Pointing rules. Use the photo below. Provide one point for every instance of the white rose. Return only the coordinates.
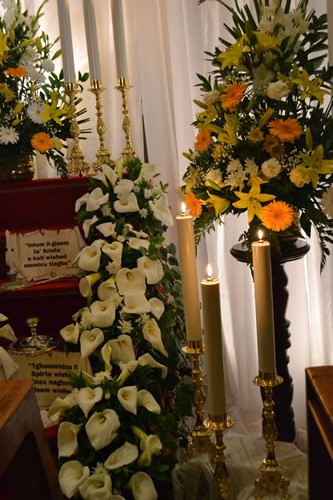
(271, 168)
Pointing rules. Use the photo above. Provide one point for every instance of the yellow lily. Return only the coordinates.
(267, 42)
(310, 88)
(228, 135)
(316, 162)
(252, 201)
(220, 204)
(233, 56)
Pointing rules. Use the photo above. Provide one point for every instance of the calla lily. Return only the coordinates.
(131, 281)
(136, 304)
(102, 428)
(128, 369)
(107, 289)
(89, 259)
(146, 399)
(147, 359)
(87, 282)
(113, 250)
(97, 487)
(103, 313)
(152, 333)
(96, 199)
(156, 307)
(124, 187)
(70, 333)
(106, 228)
(122, 349)
(7, 332)
(142, 487)
(106, 356)
(90, 340)
(148, 172)
(81, 201)
(138, 243)
(150, 445)
(126, 454)
(87, 225)
(71, 475)
(67, 439)
(106, 174)
(60, 405)
(88, 397)
(127, 203)
(153, 269)
(127, 397)
(161, 210)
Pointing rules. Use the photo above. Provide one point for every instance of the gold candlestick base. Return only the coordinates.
(271, 479)
(128, 150)
(200, 435)
(218, 424)
(103, 155)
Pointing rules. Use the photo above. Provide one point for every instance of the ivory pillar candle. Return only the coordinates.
(66, 41)
(189, 277)
(262, 272)
(212, 326)
(119, 38)
(92, 39)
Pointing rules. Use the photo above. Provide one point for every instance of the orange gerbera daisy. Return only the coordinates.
(17, 72)
(203, 140)
(277, 216)
(41, 142)
(232, 96)
(193, 204)
(287, 130)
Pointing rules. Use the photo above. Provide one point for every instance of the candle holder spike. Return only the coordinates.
(218, 424)
(77, 164)
(103, 155)
(201, 435)
(128, 150)
(271, 479)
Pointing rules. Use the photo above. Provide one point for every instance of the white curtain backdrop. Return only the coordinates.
(166, 43)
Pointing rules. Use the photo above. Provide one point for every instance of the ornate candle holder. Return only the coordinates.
(103, 155)
(271, 479)
(217, 424)
(128, 150)
(77, 164)
(200, 434)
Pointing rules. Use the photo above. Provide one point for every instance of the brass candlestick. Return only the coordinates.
(128, 150)
(77, 164)
(103, 155)
(271, 479)
(200, 434)
(218, 424)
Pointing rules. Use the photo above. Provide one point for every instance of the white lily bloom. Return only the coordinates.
(97, 487)
(161, 210)
(89, 259)
(102, 428)
(127, 397)
(137, 243)
(87, 282)
(136, 304)
(88, 397)
(60, 405)
(71, 475)
(106, 356)
(147, 359)
(106, 228)
(107, 289)
(153, 269)
(146, 399)
(90, 340)
(103, 313)
(148, 172)
(150, 445)
(122, 350)
(127, 370)
(87, 225)
(156, 307)
(127, 203)
(124, 455)
(131, 281)
(152, 333)
(124, 187)
(7, 332)
(70, 333)
(142, 487)
(81, 201)
(113, 250)
(67, 439)
(96, 199)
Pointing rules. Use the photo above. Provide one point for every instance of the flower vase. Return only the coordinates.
(16, 168)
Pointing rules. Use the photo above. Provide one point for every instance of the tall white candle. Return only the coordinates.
(189, 277)
(92, 39)
(119, 38)
(261, 254)
(212, 326)
(66, 41)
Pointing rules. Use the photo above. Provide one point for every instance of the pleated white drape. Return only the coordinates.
(166, 41)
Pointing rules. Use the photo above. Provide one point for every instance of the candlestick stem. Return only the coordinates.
(271, 479)
(77, 163)
(103, 155)
(200, 434)
(128, 150)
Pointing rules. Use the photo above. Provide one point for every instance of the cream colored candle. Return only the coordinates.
(119, 38)
(66, 41)
(189, 277)
(92, 39)
(262, 272)
(210, 290)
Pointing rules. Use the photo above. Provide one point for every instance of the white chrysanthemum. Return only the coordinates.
(327, 202)
(271, 168)
(47, 65)
(35, 111)
(8, 135)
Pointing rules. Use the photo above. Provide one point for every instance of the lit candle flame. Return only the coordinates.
(209, 271)
(260, 234)
(183, 208)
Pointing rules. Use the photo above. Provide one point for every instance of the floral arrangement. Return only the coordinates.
(35, 114)
(265, 126)
(121, 426)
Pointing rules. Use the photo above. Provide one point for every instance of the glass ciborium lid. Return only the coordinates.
(34, 343)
